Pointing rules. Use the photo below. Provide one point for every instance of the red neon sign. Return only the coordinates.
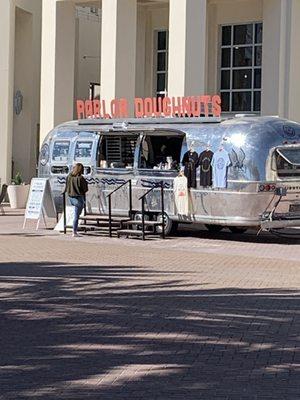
(191, 106)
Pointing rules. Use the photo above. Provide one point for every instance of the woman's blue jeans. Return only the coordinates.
(78, 203)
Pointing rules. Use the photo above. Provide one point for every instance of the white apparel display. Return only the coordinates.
(220, 163)
(70, 212)
(181, 195)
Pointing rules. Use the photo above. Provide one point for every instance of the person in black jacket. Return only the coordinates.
(76, 188)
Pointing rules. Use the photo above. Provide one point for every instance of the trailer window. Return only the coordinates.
(83, 151)
(288, 162)
(160, 152)
(117, 151)
(60, 150)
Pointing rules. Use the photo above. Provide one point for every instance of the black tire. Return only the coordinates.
(214, 228)
(170, 226)
(138, 217)
(237, 229)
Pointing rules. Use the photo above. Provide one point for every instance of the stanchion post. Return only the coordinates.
(143, 217)
(130, 199)
(162, 208)
(64, 212)
(84, 208)
(109, 216)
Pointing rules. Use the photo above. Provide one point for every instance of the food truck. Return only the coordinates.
(260, 175)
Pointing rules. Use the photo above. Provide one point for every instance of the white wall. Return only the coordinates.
(88, 43)
(142, 15)
(7, 33)
(27, 79)
(157, 18)
(21, 32)
(35, 8)
(294, 62)
(57, 64)
(24, 131)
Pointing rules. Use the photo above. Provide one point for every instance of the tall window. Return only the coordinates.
(161, 63)
(241, 60)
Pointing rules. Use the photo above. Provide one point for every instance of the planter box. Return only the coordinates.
(18, 195)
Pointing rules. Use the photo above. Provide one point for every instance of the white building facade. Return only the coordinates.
(245, 50)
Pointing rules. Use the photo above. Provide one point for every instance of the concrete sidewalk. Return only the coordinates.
(191, 317)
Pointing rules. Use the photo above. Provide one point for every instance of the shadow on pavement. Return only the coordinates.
(249, 237)
(31, 234)
(89, 332)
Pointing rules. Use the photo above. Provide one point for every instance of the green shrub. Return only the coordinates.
(17, 180)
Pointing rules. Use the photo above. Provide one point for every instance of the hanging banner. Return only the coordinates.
(191, 106)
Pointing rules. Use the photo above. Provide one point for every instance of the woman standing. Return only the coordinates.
(76, 188)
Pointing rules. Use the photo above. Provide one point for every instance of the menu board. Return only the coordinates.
(83, 151)
(40, 200)
(60, 150)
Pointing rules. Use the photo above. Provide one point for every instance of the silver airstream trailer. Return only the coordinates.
(263, 178)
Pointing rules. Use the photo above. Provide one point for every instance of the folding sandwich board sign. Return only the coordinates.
(40, 202)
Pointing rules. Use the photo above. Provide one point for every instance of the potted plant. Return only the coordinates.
(18, 192)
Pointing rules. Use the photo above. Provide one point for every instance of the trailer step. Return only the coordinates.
(101, 224)
(98, 227)
(134, 232)
(139, 223)
(99, 232)
(99, 217)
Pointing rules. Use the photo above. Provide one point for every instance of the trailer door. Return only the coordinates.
(115, 166)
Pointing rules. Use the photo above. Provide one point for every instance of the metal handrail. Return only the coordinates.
(162, 209)
(119, 187)
(109, 203)
(148, 191)
(161, 185)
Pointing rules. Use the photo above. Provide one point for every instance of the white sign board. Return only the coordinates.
(40, 202)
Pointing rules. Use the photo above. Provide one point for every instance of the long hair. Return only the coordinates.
(77, 170)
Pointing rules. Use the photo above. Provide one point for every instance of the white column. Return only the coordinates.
(273, 61)
(281, 58)
(187, 48)
(58, 59)
(293, 96)
(141, 52)
(118, 49)
(7, 34)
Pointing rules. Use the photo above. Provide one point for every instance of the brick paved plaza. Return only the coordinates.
(191, 317)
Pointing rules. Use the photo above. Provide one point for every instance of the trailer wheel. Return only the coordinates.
(237, 229)
(214, 228)
(138, 217)
(170, 226)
